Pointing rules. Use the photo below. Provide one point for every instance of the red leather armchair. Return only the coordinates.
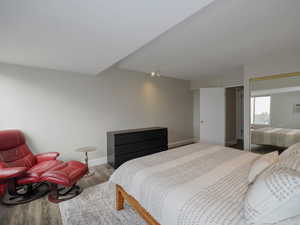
(25, 177)
(19, 167)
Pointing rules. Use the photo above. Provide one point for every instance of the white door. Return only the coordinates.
(212, 115)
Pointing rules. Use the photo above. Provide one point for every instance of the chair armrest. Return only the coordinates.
(46, 156)
(12, 172)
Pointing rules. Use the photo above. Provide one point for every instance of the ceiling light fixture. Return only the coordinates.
(155, 73)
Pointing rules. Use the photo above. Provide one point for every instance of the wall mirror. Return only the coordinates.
(274, 112)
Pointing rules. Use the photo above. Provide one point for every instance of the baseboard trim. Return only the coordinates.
(98, 161)
(231, 142)
(103, 160)
(181, 143)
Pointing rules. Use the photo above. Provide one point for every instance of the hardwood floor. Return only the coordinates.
(43, 212)
(259, 149)
(263, 149)
(239, 145)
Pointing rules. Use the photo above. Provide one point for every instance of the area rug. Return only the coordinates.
(95, 206)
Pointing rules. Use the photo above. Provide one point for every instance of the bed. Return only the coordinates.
(195, 184)
(280, 137)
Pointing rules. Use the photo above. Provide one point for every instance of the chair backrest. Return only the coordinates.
(14, 151)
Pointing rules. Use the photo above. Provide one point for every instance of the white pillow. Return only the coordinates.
(274, 196)
(290, 158)
(292, 150)
(290, 221)
(262, 163)
(291, 162)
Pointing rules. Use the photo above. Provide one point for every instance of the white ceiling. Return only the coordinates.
(84, 36)
(221, 38)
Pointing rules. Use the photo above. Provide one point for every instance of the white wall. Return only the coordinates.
(282, 110)
(63, 111)
(268, 67)
(230, 80)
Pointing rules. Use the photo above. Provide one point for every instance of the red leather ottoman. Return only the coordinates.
(63, 178)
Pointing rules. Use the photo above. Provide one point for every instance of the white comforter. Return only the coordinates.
(281, 137)
(199, 184)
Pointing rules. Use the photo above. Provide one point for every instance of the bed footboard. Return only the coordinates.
(119, 199)
(122, 195)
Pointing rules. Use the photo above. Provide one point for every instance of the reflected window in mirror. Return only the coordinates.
(260, 110)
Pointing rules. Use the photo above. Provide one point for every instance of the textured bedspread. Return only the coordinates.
(199, 184)
(280, 137)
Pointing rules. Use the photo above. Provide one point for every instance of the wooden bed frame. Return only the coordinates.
(122, 195)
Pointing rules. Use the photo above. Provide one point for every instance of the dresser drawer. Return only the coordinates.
(140, 146)
(122, 139)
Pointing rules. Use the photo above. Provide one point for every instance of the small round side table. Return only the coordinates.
(86, 150)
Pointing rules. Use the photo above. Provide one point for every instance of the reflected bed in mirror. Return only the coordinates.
(275, 113)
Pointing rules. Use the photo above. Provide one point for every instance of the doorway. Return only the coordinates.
(234, 125)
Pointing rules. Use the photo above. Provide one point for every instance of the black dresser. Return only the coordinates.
(125, 145)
